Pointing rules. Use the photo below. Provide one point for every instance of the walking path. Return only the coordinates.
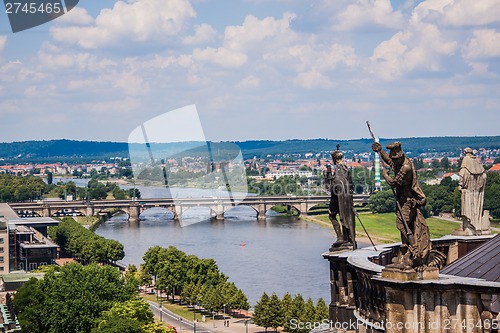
(236, 325)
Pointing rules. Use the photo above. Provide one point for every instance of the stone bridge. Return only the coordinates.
(218, 206)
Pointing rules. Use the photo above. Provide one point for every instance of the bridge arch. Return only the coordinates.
(241, 210)
(29, 213)
(169, 211)
(66, 212)
(289, 208)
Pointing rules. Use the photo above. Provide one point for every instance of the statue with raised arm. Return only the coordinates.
(416, 245)
(339, 183)
(472, 183)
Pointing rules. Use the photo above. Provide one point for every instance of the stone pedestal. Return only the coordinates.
(482, 228)
(409, 274)
(341, 247)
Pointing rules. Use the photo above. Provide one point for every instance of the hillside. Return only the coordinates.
(73, 151)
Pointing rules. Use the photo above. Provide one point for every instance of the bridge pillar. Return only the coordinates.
(219, 212)
(178, 210)
(303, 208)
(46, 211)
(89, 210)
(134, 212)
(261, 213)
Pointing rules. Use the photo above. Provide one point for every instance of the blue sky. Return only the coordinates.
(256, 69)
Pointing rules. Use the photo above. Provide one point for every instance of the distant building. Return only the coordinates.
(495, 168)
(23, 241)
(4, 246)
(8, 320)
(30, 248)
(452, 175)
(282, 173)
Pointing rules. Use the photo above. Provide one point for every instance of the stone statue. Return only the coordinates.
(416, 245)
(339, 183)
(472, 183)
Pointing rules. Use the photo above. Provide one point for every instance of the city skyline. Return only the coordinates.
(255, 70)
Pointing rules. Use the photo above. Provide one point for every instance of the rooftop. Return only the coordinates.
(481, 263)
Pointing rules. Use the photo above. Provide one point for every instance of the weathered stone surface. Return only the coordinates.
(472, 184)
(396, 273)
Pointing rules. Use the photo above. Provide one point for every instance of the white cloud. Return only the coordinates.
(128, 104)
(367, 14)
(136, 21)
(3, 42)
(38, 92)
(312, 80)
(458, 13)
(422, 45)
(249, 82)
(472, 12)
(76, 16)
(254, 34)
(128, 82)
(484, 43)
(204, 33)
(321, 57)
(220, 56)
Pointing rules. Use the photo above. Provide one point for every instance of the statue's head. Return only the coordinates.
(468, 151)
(395, 150)
(337, 155)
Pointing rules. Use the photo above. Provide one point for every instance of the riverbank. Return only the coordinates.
(382, 227)
(93, 222)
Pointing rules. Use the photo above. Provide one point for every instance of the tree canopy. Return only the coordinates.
(85, 245)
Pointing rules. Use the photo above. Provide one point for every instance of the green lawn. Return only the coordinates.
(179, 310)
(382, 227)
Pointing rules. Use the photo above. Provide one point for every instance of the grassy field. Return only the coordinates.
(179, 310)
(382, 227)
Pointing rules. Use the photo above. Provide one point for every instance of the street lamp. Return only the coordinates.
(161, 311)
(194, 320)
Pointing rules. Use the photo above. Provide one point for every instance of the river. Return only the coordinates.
(279, 254)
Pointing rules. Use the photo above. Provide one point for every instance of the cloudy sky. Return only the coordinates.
(256, 69)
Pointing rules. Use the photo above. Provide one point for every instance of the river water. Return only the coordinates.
(279, 254)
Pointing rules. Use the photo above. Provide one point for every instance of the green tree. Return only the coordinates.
(49, 178)
(261, 312)
(119, 325)
(69, 301)
(382, 202)
(492, 194)
(29, 305)
(297, 310)
(445, 163)
(308, 315)
(275, 312)
(135, 309)
(321, 312)
(119, 194)
(287, 307)
(157, 328)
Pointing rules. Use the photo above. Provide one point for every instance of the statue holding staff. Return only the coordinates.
(409, 197)
(339, 183)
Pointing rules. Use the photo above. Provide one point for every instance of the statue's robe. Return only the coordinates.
(343, 188)
(472, 183)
